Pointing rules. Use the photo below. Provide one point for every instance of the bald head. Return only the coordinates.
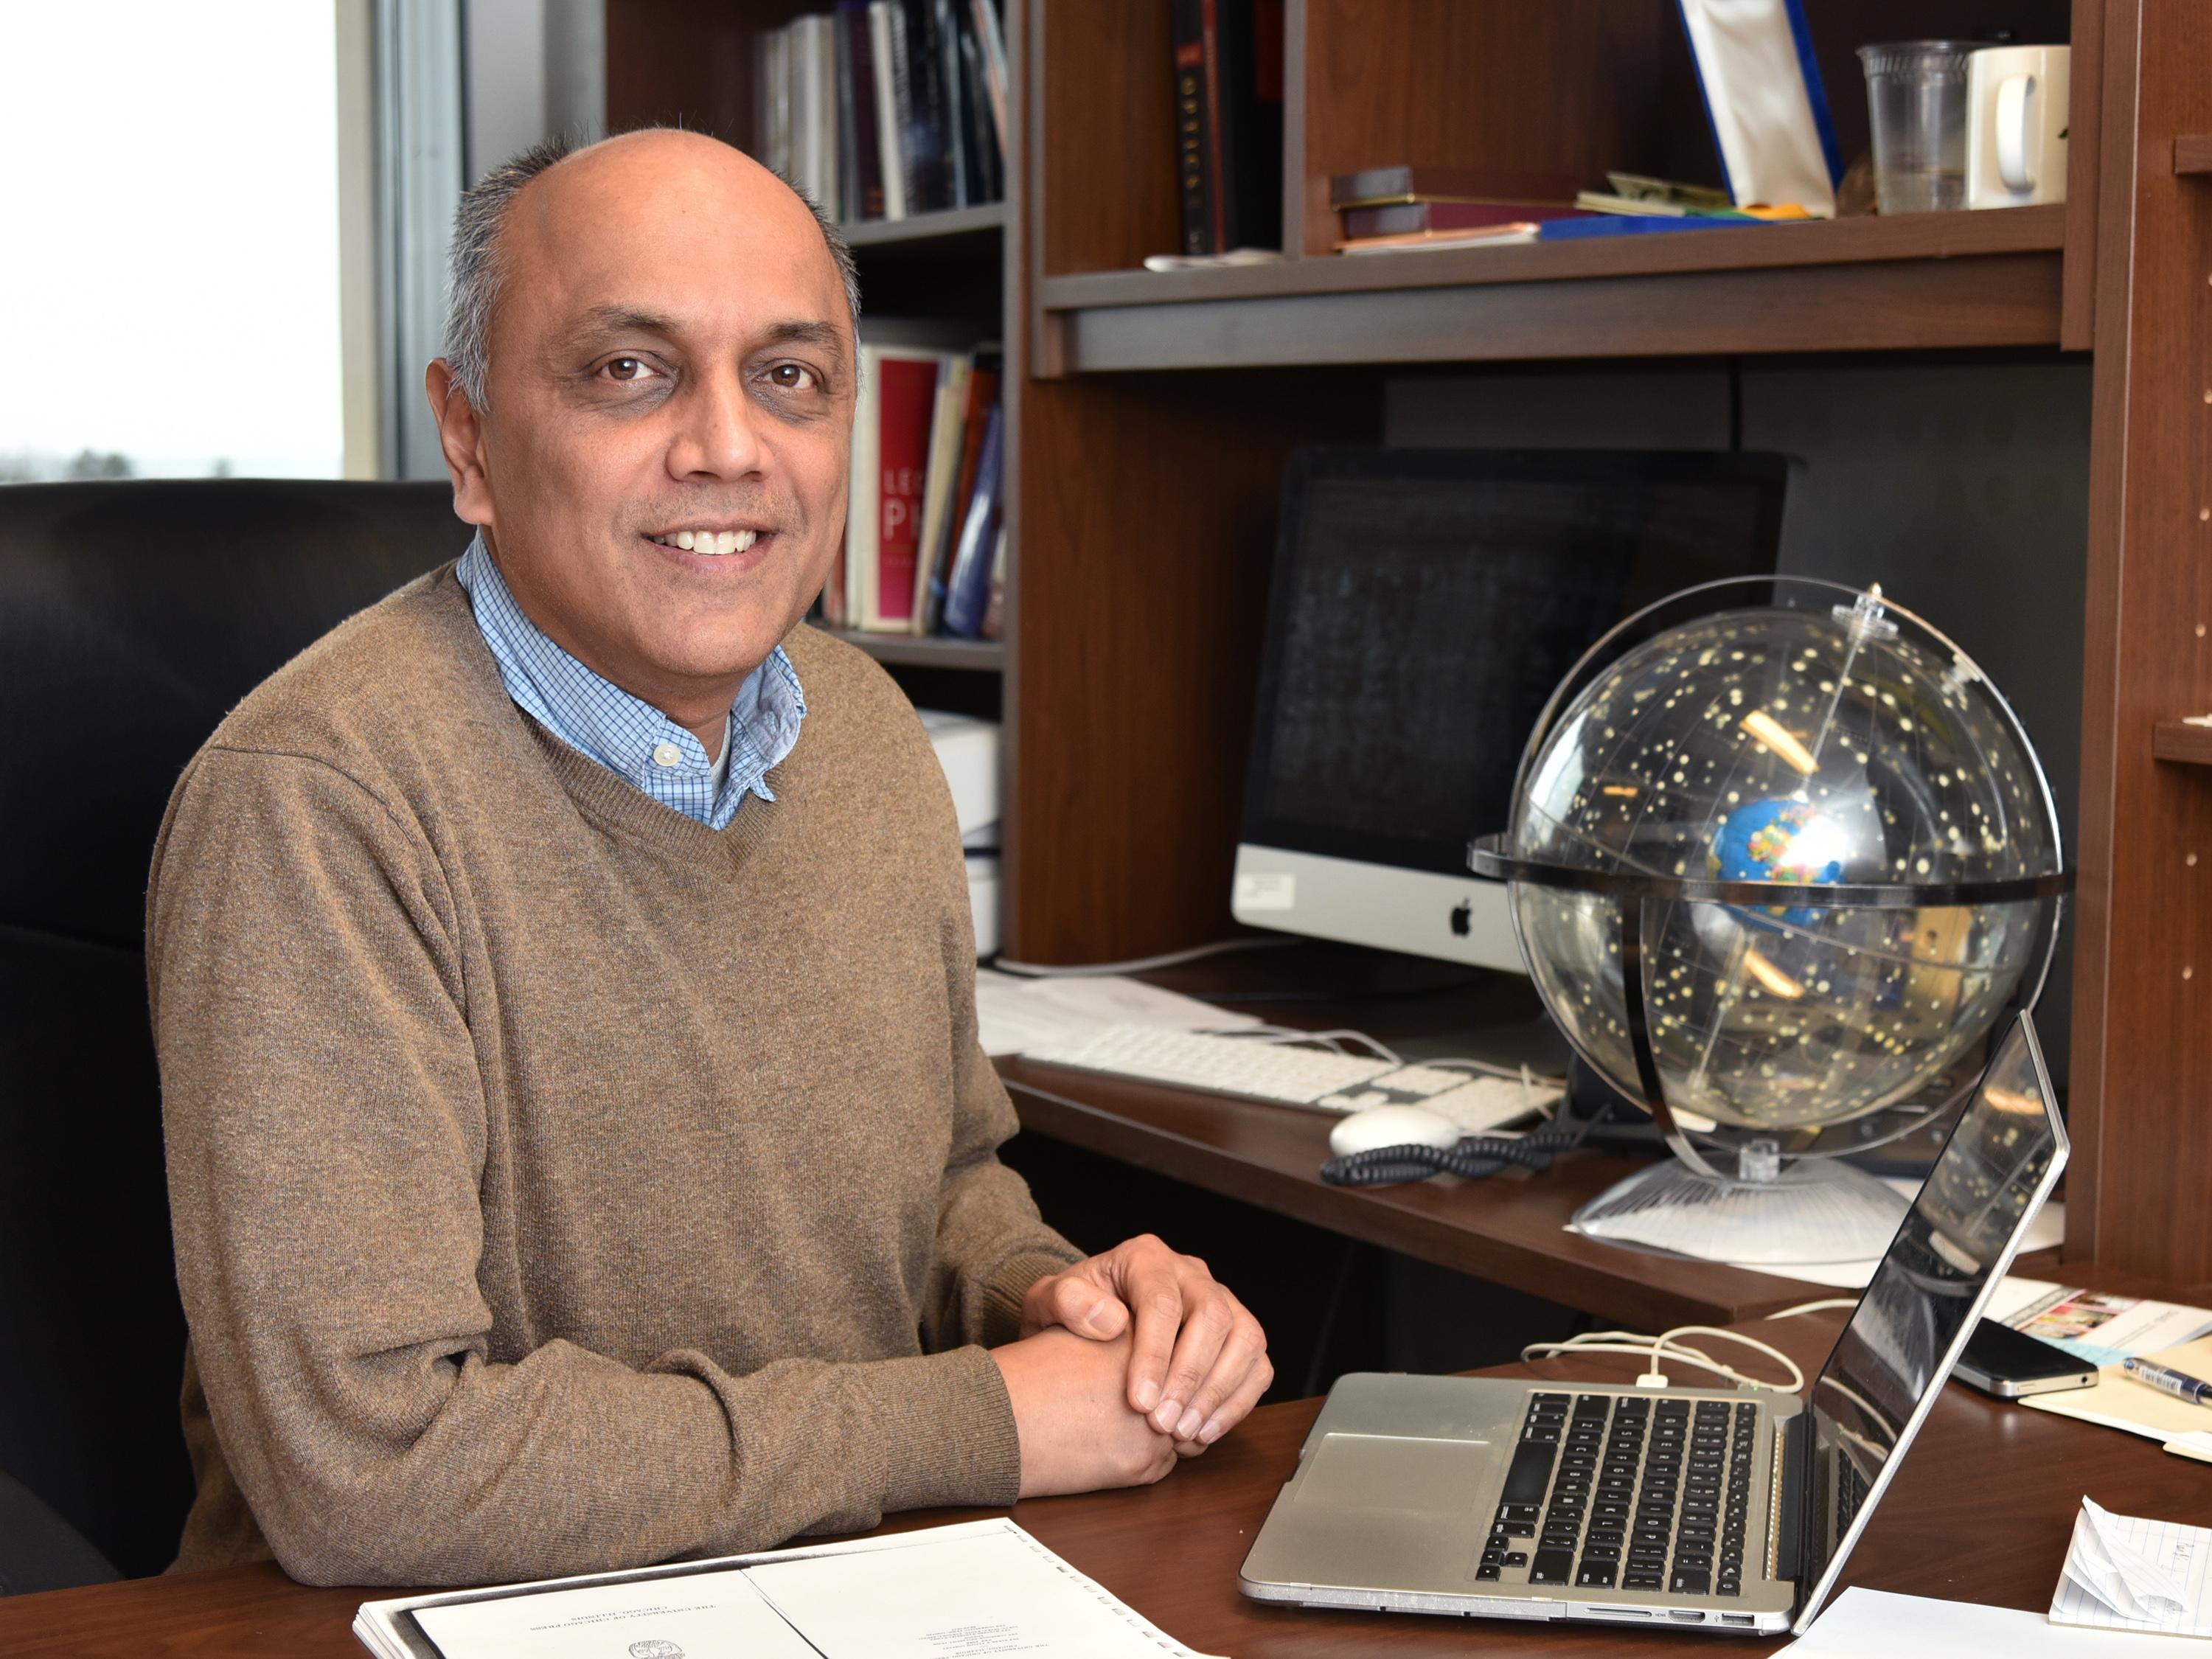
(646, 407)
(655, 157)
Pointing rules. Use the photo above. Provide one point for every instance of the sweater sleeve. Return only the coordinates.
(992, 1245)
(326, 1136)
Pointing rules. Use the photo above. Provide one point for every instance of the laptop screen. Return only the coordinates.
(2003, 1156)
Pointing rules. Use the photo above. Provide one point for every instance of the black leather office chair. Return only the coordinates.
(132, 616)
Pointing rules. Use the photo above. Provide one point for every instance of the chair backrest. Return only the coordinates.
(132, 616)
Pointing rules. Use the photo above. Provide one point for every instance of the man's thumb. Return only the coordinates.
(1089, 1311)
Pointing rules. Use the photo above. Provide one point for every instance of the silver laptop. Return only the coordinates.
(1714, 1508)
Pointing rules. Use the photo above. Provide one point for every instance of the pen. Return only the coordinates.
(2179, 1384)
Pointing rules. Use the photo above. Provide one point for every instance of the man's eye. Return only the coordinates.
(628, 369)
(792, 377)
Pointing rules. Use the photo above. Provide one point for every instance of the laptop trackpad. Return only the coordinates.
(1385, 1512)
(1390, 1474)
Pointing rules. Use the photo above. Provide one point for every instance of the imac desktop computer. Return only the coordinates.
(1425, 604)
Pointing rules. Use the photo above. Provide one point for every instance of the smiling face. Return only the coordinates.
(660, 469)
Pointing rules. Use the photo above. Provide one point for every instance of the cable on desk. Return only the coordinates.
(1392, 1166)
(1138, 964)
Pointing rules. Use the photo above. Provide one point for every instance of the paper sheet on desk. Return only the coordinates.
(1014, 1013)
(2047, 1229)
(1866, 1624)
(976, 1597)
(2124, 1572)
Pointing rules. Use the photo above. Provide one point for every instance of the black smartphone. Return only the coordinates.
(2000, 1361)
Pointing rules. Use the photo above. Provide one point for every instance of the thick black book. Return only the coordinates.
(857, 99)
(1193, 140)
(1238, 138)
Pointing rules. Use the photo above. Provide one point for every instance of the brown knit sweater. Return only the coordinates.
(560, 1184)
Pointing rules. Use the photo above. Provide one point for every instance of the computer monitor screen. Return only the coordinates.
(1425, 603)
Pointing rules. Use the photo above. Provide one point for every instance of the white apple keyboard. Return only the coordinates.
(1293, 1074)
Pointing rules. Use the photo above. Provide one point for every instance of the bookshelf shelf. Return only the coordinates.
(2177, 740)
(986, 220)
(915, 651)
(1933, 280)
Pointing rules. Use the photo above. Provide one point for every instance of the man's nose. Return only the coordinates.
(715, 435)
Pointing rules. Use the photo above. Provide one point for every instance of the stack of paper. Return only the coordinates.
(959, 1592)
(2126, 1573)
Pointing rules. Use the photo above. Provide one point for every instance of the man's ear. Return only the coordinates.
(460, 435)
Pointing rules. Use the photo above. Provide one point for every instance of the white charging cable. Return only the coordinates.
(1653, 1349)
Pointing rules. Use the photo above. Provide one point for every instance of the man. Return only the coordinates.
(580, 1149)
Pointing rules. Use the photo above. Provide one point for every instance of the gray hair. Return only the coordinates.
(475, 267)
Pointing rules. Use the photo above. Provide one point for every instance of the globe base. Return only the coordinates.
(1807, 1213)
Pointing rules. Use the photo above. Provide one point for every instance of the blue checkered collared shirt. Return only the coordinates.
(626, 735)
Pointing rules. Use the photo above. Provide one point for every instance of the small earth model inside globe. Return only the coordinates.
(1810, 742)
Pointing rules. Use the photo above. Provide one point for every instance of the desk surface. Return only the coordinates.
(1981, 1511)
(1508, 1230)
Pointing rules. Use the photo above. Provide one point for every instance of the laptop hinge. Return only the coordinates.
(1786, 1519)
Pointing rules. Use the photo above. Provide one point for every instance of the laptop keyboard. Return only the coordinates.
(1640, 1492)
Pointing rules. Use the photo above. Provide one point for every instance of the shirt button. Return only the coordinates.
(666, 754)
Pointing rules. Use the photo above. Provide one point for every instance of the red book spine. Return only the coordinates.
(909, 388)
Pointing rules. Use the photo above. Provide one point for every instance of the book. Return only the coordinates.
(991, 55)
(879, 109)
(811, 60)
(983, 149)
(924, 143)
(1236, 49)
(890, 459)
(856, 103)
(968, 589)
(1192, 141)
(887, 48)
(941, 475)
(1607, 224)
(773, 129)
(1505, 235)
(1380, 186)
(975, 419)
(1406, 218)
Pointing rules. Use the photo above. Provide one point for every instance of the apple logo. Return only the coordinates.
(1461, 914)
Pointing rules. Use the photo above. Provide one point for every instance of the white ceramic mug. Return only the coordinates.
(2016, 118)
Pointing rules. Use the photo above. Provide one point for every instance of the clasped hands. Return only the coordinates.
(1129, 1360)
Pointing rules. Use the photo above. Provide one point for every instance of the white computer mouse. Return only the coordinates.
(1392, 1126)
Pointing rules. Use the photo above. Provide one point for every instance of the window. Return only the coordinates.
(169, 297)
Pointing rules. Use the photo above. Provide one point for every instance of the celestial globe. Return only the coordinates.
(1821, 739)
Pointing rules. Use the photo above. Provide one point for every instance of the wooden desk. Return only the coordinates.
(1980, 1511)
(1509, 1229)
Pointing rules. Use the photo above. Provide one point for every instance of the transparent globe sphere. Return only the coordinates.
(1826, 738)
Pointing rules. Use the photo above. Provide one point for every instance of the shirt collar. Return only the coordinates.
(623, 732)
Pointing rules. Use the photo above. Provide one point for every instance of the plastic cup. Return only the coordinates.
(1917, 98)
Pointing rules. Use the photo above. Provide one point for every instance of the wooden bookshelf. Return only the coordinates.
(1935, 281)
(1149, 416)
(2182, 743)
